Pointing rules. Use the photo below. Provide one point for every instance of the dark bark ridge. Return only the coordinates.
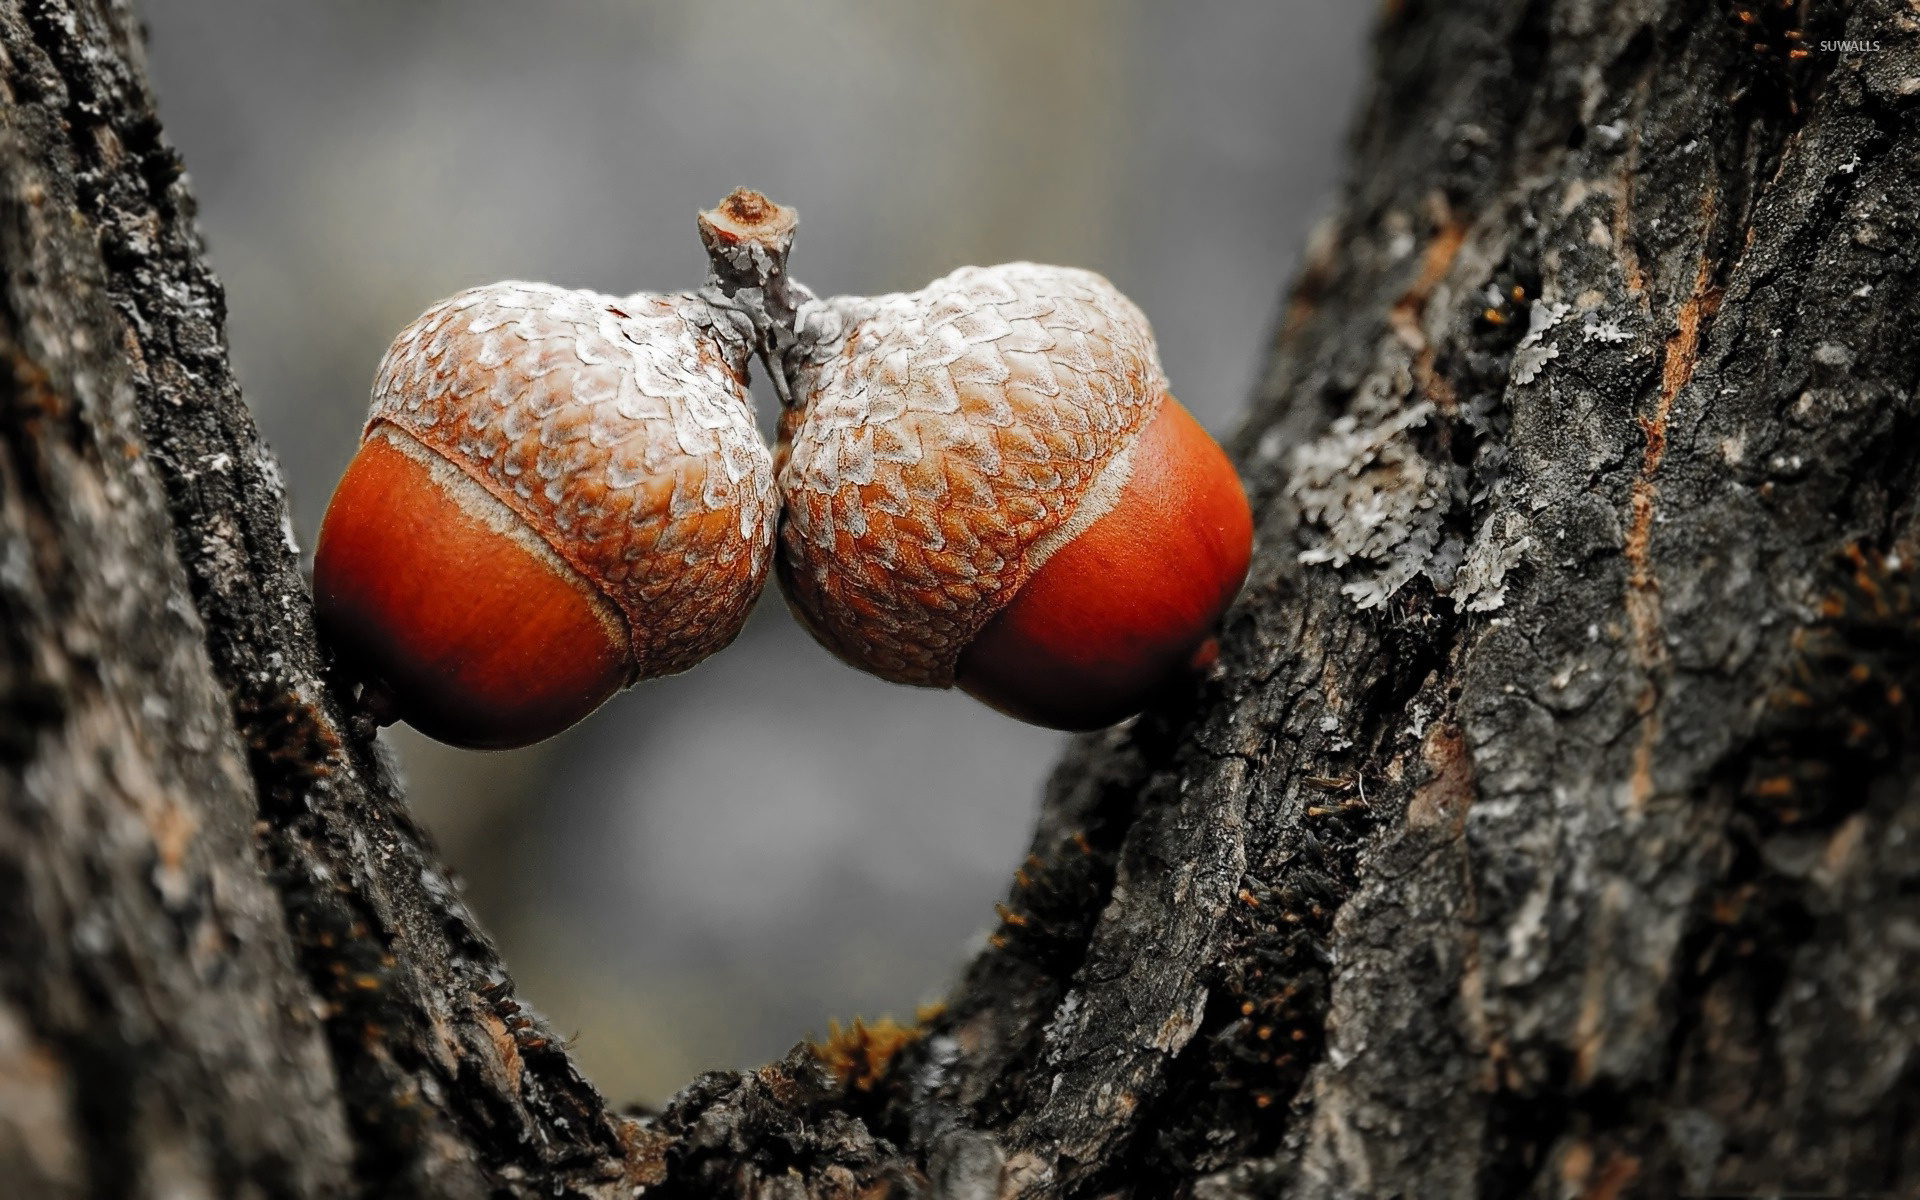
(154, 1032)
(438, 1082)
(1616, 305)
(1547, 826)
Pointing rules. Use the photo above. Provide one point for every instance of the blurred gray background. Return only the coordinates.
(717, 863)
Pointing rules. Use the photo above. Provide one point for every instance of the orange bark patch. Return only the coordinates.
(1643, 590)
(503, 1045)
(858, 1054)
(645, 1151)
(1631, 272)
(1613, 1178)
(1407, 311)
(1443, 800)
(1434, 265)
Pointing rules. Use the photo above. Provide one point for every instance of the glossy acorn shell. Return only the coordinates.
(431, 590)
(1122, 609)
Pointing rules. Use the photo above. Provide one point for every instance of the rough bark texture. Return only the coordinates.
(1549, 826)
(231, 960)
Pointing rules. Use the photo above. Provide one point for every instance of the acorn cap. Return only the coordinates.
(619, 429)
(946, 442)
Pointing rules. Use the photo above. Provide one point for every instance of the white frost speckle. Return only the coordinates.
(1271, 444)
(222, 563)
(1528, 363)
(1061, 1029)
(1833, 354)
(1596, 330)
(1540, 318)
(1378, 501)
(1379, 508)
(1417, 726)
(1498, 547)
(1531, 356)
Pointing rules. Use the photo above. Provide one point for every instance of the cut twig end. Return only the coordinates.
(748, 216)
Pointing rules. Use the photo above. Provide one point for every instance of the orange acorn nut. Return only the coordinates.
(558, 493)
(987, 485)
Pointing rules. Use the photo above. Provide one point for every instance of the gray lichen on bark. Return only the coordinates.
(1548, 825)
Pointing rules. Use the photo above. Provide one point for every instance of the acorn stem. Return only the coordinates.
(748, 238)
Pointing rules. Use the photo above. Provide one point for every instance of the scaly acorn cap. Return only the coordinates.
(619, 429)
(943, 444)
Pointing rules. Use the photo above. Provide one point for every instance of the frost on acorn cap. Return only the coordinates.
(618, 429)
(944, 444)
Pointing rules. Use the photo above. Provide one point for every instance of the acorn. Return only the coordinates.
(557, 494)
(986, 484)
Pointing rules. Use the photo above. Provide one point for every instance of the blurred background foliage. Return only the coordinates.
(718, 863)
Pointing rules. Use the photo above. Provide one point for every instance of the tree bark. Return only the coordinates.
(1549, 825)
